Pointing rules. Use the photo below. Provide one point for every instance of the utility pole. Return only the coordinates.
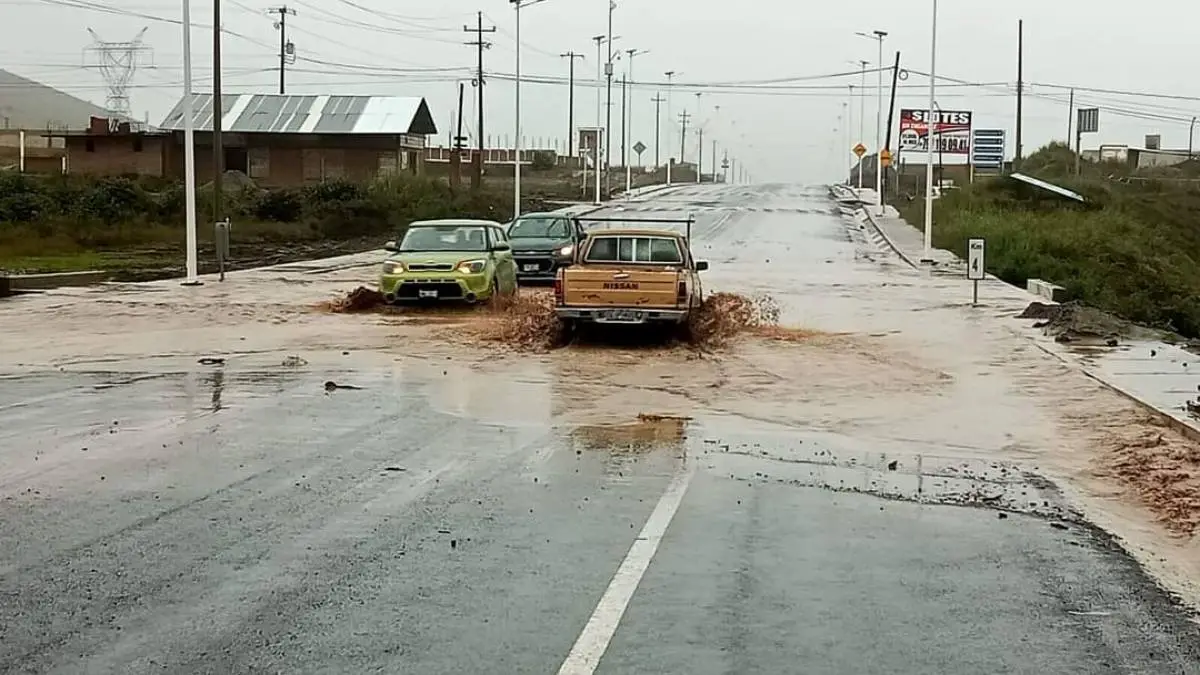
(1020, 88)
(608, 74)
(624, 103)
(599, 40)
(700, 142)
(658, 101)
(670, 122)
(478, 82)
(287, 50)
(683, 122)
(1071, 117)
(571, 104)
(714, 160)
(218, 143)
(1191, 137)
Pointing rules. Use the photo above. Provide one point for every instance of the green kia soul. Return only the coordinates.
(467, 260)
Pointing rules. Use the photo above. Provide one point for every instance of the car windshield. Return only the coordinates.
(539, 228)
(444, 238)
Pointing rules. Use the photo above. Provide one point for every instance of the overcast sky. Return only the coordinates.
(414, 48)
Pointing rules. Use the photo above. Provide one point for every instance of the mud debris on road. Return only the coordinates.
(361, 299)
(1160, 468)
(1073, 321)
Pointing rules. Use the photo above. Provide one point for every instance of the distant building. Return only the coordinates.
(280, 140)
(1137, 158)
(276, 140)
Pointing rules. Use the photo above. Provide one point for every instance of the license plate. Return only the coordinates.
(529, 268)
(427, 293)
(622, 316)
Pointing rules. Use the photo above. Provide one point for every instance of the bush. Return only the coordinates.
(280, 206)
(23, 200)
(118, 211)
(1133, 251)
(543, 160)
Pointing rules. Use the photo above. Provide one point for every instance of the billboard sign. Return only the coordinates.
(951, 129)
(987, 148)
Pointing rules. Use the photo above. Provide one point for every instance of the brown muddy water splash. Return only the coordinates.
(527, 323)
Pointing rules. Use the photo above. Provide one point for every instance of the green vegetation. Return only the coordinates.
(1134, 250)
(53, 223)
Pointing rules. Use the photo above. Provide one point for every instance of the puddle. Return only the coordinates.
(927, 479)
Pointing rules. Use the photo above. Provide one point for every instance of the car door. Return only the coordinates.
(506, 267)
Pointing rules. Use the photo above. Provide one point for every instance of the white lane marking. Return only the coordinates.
(593, 641)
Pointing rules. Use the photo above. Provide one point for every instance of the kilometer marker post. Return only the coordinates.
(976, 266)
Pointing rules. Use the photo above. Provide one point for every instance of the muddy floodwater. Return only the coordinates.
(874, 363)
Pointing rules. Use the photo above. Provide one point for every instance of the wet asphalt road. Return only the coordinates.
(213, 519)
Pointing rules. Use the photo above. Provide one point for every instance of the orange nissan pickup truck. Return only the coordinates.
(628, 276)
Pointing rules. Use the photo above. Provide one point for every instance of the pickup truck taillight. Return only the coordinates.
(681, 295)
(558, 290)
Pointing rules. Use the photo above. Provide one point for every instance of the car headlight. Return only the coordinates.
(472, 266)
(567, 250)
(392, 267)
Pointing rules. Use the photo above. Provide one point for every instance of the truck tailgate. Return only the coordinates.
(633, 286)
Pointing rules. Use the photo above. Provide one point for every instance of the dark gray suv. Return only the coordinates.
(542, 243)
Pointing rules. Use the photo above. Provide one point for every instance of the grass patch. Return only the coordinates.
(1133, 251)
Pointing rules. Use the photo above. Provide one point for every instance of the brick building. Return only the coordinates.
(280, 140)
(276, 140)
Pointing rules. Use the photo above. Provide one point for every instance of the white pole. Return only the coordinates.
(929, 126)
(862, 120)
(596, 138)
(628, 124)
(879, 130)
(670, 127)
(189, 146)
(517, 124)
(700, 138)
(21, 152)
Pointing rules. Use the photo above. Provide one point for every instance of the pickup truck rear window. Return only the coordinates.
(660, 250)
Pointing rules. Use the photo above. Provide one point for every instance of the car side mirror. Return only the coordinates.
(501, 246)
(390, 246)
(701, 265)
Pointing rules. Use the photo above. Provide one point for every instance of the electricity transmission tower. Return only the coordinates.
(117, 63)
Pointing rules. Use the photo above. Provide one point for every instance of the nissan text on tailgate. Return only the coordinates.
(630, 277)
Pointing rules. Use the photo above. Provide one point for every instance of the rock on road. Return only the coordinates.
(513, 515)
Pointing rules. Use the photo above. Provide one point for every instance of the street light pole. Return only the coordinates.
(629, 115)
(189, 148)
(699, 137)
(670, 125)
(608, 73)
(517, 123)
(862, 118)
(879, 128)
(929, 125)
(596, 136)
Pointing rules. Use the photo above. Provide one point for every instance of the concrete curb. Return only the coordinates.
(1186, 428)
(42, 282)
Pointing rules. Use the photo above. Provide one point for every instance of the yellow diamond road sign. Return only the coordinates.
(860, 150)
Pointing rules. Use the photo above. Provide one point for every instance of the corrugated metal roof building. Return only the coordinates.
(278, 140)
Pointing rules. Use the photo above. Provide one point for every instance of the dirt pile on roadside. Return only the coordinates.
(1072, 320)
(361, 299)
(724, 316)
